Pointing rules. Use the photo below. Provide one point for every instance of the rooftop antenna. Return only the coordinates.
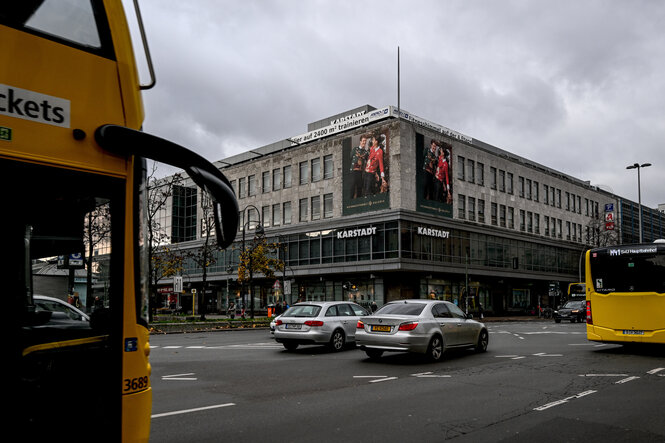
(399, 112)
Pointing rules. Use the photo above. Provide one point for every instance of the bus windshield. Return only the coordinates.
(73, 22)
(628, 269)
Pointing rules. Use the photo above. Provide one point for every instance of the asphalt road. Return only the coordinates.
(538, 381)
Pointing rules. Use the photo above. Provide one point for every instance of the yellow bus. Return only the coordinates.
(626, 294)
(73, 162)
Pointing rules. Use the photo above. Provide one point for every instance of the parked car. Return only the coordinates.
(62, 314)
(332, 323)
(427, 327)
(573, 310)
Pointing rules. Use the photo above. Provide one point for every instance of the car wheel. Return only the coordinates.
(290, 346)
(435, 348)
(337, 341)
(483, 340)
(374, 354)
(557, 320)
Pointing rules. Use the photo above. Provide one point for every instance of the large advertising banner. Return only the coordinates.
(366, 172)
(434, 176)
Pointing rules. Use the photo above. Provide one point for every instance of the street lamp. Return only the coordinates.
(258, 230)
(639, 190)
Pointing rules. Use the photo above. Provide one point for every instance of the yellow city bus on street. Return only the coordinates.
(73, 163)
(626, 294)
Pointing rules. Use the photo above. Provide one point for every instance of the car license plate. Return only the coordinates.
(380, 328)
(292, 326)
(632, 332)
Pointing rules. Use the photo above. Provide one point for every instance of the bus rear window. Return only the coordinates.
(628, 272)
(77, 23)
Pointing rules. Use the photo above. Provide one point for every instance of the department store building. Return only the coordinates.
(379, 204)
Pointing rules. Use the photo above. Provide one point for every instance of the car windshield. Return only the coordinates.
(303, 311)
(402, 309)
(573, 304)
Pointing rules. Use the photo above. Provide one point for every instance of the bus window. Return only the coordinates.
(63, 235)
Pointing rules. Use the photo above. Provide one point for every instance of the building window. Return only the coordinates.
(568, 235)
(304, 172)
(460, 167)
(480, 174)
(492, 177)
(559, 227)
(472, 209)
(286, 213)
(535, 191)
(316, 207)
(528, 189)
(265, 181)
(579, 204)
(558, 198)
(510, 183)
(183, 215)
(553, 226)
(316, 169)
(568, 201)
(502, 180)
(251, 185)
(520, 186)
(529, 221)
(511, 217)
(265, 215)
(502, 216)
(461, 206)
(536, 223)
(481, 210)
(302, 207)
(471, 168)
(493, 211)
(546, 222)
(276, 214)
(328, 166)
(522, 220)
(276, 179)
(242, 188)
(287, 176)
(546, 194)
(327, 205)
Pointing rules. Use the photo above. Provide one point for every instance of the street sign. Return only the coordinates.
(287, 287)
(177, 283)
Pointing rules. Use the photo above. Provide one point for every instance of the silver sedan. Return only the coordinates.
(421, 326)
(332, 323)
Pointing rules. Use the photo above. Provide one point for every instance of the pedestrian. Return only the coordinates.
(480, 310)
(373, 306)
(231, 311)
(278, 309)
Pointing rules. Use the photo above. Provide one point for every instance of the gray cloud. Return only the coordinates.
(577, 86)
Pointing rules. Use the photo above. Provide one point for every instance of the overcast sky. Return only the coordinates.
(578, 86)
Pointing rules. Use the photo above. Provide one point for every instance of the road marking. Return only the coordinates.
(180, 377)
(429, 374)
(653, 371)
(171, 347)
(565, 400)
(542, 354)
(187, 411)
(512, 357)
(383, 379)
(603, 375)
(626, 380)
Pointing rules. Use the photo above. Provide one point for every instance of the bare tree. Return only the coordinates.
(598, 234)
(205, 255)
(163, 260)
(261, 257)
(97, 234)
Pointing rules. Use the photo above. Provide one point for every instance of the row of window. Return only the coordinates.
(474, 172)
(311, 208)
(501, 215)
(311, 171)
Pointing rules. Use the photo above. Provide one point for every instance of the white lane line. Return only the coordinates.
(370, 376)
(542, 354)
(383, 379)
(171, 347)
(187, 411)
(626, 380)
(180, 377)
(603, 375)
(565, 400)
(653, 371)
